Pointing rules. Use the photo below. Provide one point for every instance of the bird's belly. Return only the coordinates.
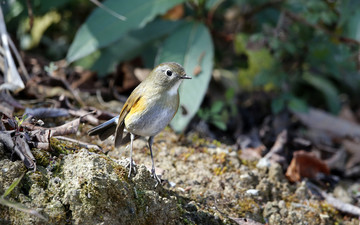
(150, 122)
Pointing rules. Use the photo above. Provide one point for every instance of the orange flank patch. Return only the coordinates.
(138, 106)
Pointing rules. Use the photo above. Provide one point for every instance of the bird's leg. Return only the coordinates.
(131, 149)
(153, 173)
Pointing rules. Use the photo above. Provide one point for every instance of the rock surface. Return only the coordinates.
(205, 183)
(88, 188)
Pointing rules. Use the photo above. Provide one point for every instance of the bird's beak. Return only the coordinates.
(185, 77)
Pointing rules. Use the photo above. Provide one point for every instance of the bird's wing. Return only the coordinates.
(133, 99)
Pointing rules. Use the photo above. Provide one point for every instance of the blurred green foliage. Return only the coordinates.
(45, 27)
(220, 112)
(103, 41)
(302, 52)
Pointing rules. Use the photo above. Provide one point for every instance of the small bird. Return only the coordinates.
(148, 110)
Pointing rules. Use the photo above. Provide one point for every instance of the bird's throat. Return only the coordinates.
(174, 89)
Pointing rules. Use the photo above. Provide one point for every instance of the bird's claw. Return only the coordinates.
(157, 179)
(132, 167)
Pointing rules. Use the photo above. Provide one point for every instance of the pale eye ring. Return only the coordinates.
(168, 72)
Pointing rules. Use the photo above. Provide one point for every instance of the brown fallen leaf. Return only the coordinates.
(251, 146)
(276, 153)
(16, 141)
(6, 109)
(353, 148)
(347, 114)
(85, 116)
(42, 113)
(338, 160)
(44, 134)
(197, 70)
(6, 97)
(305, 164)
(324, 122)
(85, 77)
(175, 13)
(252, 153)
(22, 149)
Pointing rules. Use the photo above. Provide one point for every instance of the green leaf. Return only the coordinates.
(352, 28)
(21, 207)
(230, 94)
(216, 107)
(259, 60)
(219, 124)
(297, 105)
(204, 114)
(277, 105)
(327, 88)
(191, 46)
(132, 44)
(102, 29)
(347, 9)
(13, 185)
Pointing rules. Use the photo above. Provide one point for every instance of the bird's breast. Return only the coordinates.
(149, 116)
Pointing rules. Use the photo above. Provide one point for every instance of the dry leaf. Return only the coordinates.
(325, 122)
(347, 114)
(176, 13)
(197, 70)
(305, 164)
(353, 148)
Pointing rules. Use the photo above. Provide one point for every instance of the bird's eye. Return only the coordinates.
(168, 72)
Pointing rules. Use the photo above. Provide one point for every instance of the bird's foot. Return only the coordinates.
(157, 179)
(132, 167)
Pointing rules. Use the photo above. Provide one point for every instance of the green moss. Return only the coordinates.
(187, 222)
(38, 177)
(290, 199)
(216, 143)
(220, 170)
(89, 193)
(55, 166)
(118, 169)
(63, 147)
(42, 157)
(198, 141)
(140, 198)
(247, 205)
(249, 163)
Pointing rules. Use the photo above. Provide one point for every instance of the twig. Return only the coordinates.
(110, 11)
(30, 13)
(278, 147)
(80, 143)
(261, 7)
(302, 20)
(13, 80)
(19, 59)
(212, 11)
(69, 88)
(336, 203)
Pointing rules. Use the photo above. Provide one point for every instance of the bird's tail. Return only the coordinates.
(106, 129)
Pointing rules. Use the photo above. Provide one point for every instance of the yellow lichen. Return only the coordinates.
(246, 205)
(220, 170)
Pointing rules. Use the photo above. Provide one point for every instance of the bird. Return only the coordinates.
(147, 111)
